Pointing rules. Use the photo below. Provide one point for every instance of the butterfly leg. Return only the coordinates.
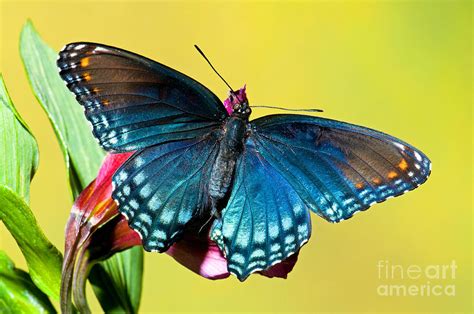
(214, 210)
(214, 214)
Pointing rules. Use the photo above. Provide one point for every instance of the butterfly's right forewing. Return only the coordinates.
(339, 168)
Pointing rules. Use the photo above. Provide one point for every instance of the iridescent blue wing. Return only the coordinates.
(338, 168)
(159, 189)
(265, 219)
(133, 102)
(292, 164)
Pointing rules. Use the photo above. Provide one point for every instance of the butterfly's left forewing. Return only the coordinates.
(133, 102)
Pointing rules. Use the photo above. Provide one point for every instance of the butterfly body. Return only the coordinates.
(234, 131)
(230, 148)
(195, 154)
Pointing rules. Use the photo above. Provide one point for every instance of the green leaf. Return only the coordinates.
(82, 154)
(19, 151)
(18, 294)
(18, 163)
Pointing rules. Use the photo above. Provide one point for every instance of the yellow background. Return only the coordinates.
(404, 68)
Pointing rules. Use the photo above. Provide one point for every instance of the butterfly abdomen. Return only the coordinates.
(230, 149)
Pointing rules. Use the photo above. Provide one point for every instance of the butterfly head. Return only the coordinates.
(237, 103)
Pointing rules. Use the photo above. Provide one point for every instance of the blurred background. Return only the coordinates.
(401, 67)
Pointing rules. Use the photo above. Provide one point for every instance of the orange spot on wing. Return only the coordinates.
(87, 76)
(403, 164)
(359, 185)
(95, 90)
(376, 180)
(105, 102)
(84, 62)
(392, 175)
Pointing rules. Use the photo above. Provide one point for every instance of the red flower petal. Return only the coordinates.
(93, 210)
(200, 255)
(281, 269)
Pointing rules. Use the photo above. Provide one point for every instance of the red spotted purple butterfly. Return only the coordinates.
(198, 157)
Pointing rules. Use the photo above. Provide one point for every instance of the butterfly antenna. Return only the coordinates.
(204, 56)
(289, 109)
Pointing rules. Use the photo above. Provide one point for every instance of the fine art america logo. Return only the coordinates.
(416, 280)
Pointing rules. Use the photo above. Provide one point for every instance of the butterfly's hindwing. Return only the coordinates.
(339, 168)
(160, 188)
(133, 102)
(265, 220)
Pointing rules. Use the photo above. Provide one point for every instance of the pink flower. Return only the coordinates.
(203, 256)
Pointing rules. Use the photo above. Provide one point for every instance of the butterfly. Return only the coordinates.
(259, 178)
